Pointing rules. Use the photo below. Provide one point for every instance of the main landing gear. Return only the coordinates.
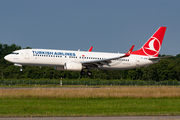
(89, 73)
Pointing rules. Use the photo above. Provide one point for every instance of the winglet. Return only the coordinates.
(90, 49)
(129, 52)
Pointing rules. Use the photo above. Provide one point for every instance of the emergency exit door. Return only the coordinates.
(27, 54)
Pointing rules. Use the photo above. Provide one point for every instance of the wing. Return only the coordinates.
(96, 63)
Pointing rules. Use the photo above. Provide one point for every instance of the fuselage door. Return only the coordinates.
(137, 60)
(27, 54)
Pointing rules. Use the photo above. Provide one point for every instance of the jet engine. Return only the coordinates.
(73, 66)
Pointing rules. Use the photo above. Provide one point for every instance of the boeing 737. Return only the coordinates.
(79, 60)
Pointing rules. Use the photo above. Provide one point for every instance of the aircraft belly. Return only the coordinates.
(119, 66)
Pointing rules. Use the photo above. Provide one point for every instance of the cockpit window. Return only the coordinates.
(15, 53)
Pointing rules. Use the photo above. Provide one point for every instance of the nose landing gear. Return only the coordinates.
(21, 69)
(19, 65)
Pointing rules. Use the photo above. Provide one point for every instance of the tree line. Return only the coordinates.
(166, 69)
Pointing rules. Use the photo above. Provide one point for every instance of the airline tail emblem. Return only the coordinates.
(153, 45)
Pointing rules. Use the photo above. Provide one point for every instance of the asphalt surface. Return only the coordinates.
(87, 87)
(96, 118)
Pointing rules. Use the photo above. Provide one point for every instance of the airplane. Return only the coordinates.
(80, 60)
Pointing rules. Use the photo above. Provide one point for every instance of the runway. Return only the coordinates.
(119, 87)
(96, 118)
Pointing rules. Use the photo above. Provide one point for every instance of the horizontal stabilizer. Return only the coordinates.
(161, 57)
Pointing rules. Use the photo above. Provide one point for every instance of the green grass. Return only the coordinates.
(88, 107)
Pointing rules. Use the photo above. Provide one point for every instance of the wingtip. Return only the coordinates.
(90, 49)
(129, 52)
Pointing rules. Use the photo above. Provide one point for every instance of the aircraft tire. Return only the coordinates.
(83, 72)
(89, 73)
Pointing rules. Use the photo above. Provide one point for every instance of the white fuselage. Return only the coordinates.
(57, 58)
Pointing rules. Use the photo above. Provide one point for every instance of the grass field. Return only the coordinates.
(124, 92)
(90, 102)
(88, 107)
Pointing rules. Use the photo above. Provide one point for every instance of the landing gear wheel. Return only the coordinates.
(21, 69)
(89, 73)
(83, 73)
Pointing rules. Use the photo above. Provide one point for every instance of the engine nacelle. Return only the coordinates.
(73, 66)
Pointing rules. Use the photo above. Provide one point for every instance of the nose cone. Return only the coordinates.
(7, 57)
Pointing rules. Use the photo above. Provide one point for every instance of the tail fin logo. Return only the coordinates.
(152, 47)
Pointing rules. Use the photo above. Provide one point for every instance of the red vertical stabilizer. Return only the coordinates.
(153, 45)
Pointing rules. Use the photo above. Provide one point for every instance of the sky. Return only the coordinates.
(107, 25)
